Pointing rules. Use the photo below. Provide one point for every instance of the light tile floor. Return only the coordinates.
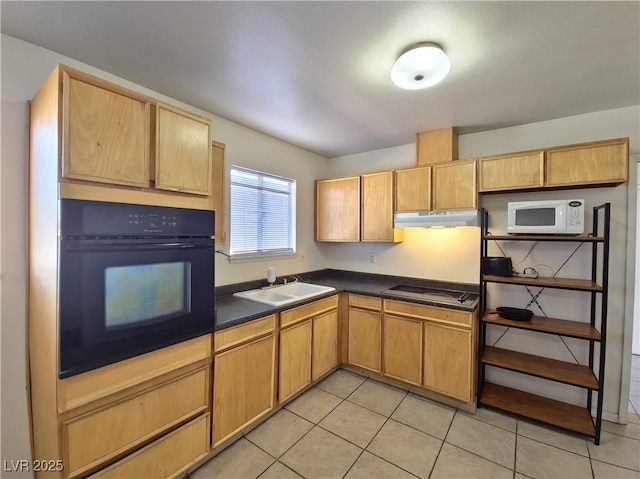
(353, 427)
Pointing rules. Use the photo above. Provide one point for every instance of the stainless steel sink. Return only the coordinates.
(284, 294)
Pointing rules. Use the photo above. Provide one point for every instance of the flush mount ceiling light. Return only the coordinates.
(420, 66)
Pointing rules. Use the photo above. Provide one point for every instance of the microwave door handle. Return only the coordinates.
(95, 248)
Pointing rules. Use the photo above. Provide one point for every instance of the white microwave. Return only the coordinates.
(546, 217)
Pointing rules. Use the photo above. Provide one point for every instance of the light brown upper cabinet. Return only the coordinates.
(511, 172)
(356, 208)
(602, 162)
(106, 132)
(183, 151)
(338, 209)
(413, 189)
(217, 189)
(454, 186)
(115, 144)
(436, 146)
(377, 208)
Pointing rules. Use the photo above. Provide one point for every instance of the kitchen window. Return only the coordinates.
(263, 214)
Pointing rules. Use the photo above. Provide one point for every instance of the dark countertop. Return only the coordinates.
(231, 310)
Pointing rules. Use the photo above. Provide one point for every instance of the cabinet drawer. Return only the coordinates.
(428, 312)
(112, 430)
(366, 302)
(165, 457)
(308, 310)
(101, 383)
(237, 335)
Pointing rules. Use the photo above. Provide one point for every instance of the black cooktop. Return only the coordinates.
(444, 296)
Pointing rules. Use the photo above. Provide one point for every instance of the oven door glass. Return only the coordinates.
(122, 299)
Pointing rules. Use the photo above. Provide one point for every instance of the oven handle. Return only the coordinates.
(95, 248)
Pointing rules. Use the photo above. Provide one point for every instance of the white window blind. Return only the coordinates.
(263, 212)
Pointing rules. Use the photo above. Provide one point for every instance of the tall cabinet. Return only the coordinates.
(589, 377)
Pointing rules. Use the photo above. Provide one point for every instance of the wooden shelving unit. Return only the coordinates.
(558, 413)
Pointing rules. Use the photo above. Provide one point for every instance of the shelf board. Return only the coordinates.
(560, 238)
(550, 411)
(547, 368)
(563, 327)
(557, 283)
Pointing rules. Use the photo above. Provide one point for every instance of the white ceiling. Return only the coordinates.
(316, 74)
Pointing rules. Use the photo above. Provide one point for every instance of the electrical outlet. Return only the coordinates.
(372, 258)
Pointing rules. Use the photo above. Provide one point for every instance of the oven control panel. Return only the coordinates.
(97, 218)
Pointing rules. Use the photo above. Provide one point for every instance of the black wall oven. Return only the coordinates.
(133, 279)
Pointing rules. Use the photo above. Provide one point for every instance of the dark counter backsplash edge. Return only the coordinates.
(229, 289)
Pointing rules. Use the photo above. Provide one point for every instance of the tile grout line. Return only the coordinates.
(442, 443)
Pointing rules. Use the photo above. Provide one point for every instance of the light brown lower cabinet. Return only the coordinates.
(325, 344)
(365, 332)
(100, 435)
(295, 359)
(448, 362)
(244, 378)
(243, 386)
(403, 350)
(308, 345)
(166, 457)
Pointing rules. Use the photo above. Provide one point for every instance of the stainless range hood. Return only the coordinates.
(429, 219)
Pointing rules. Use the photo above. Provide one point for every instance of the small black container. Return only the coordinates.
(497, 265)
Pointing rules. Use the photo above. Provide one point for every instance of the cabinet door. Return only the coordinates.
(454, 186)
(325, 344)
(403, 349)
(183, 151)
(413, 189)
(377, 207)
(217, 189)
(365, 339)
(106, 134)
(338, 209)
(511, 172)
(295, 359)
(603, 162)
(243, 386)
(447, 361)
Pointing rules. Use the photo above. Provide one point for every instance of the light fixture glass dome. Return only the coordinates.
(420, 66)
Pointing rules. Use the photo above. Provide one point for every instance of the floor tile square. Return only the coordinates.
(499, 419)
(353, 423)
(341, 383)
(279, 432)
(635, 401)
(538, 460)
(485, 440)
(607, 471)
(241, 460)
(456, 463)
(407, 448)
(564, 440)
(321, 454)
(314, 404)
(630, 429)
(424, 416)
(634, 388)
(279, 471)
(377, 397)
(369, 466)
(617, 450)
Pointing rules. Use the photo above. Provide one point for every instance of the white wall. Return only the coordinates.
(24, 68)
(422, 253)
